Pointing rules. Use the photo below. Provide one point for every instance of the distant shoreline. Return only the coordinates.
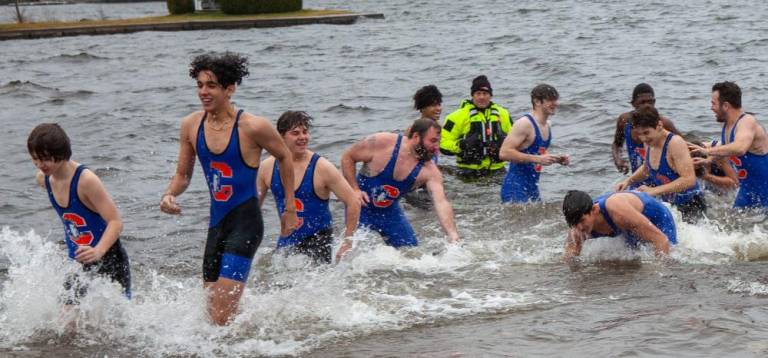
(190, 22)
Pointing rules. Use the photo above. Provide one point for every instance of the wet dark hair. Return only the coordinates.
(292, 119)
(427, 96)
(543, 92)
(640, 89)
(421, 126)
(728, 92)
(48, 141)
(229, 68)
(645, 116)
(576, 204)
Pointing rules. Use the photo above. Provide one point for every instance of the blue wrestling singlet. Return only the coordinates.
(84, 227)
(313, 212)
(635, 150)
(752, 170)
(521, 184)
(235, 229)
(653, 209)
(665, 174)
(383, 213)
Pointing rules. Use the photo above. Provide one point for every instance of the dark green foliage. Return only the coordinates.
(176, 7)
(242, 7)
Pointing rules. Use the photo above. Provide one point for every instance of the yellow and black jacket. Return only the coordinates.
(474, 136)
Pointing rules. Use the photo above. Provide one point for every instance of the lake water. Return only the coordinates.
(504, 292)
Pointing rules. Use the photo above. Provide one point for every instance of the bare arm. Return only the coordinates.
(184, 167)
(266, 136)
(520, 133)
(573, 244)
(443, 207)
(668, 125)
(729, 181)
(264, 180)
(628, 218)
(618, 143)
(680, 160)
(361, 151)
(741, 142)
(333, 179)
(639, 175)
(96, 198)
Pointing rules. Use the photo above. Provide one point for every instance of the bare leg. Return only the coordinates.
(223, 299)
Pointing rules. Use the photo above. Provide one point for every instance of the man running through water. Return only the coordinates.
(744, 141)
(228, 143)
(392, 166)
(637, 216)
(315, 179)
(526, 148)
(667, 169)
(642, 95)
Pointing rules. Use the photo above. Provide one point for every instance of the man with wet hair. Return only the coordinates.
(429, 102)
(228, 142)
(315, 179)
(392, 166)
(642, 95)
(526, 148)
(744, 141)
(635, 216)
(475, 131)
(92, 223)
(667, 170)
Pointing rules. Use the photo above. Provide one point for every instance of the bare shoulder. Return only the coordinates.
(325, 164)
(192, 120)
(623, 119)
(267, 165)
(430, 171)
(380, 140)
(250, 122)
(40, 178)
(89, 182)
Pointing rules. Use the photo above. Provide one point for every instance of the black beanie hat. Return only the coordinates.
(480, 83)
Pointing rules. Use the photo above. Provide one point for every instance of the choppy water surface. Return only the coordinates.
(503, 293)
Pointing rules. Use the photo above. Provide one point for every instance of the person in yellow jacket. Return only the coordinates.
(475, 131)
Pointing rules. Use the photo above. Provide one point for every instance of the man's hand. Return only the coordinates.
(702, 151)
(622, 186)
(288, 222)
(621, 165)
(343, 249)
(168, 205)
(548, 159)
(88, 254)
(362, 197)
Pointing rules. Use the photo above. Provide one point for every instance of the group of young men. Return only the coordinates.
(228, 144)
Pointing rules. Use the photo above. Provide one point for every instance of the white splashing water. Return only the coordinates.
(303, 308)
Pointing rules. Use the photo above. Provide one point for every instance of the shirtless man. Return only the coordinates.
(636, 216)
(228, 143)
(392, 166)
(315, 179)
(744, 141)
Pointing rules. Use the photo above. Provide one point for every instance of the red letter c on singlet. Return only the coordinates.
(72, 222)
(386, 197)
(221, 192)
(299, 209)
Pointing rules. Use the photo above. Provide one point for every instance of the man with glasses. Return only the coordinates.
(642, 95)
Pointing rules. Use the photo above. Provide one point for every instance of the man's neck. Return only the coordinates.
(299, 157)
(65, 171)
(732, 116)
(539, 115)
(224, 114)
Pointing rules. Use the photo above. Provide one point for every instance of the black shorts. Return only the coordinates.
(114, 265)
(232, 243)
(318, 246)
